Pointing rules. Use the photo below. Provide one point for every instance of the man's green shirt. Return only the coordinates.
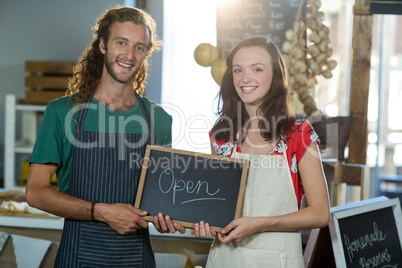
(54, 143)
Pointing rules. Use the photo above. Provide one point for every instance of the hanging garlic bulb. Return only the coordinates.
(304, 65)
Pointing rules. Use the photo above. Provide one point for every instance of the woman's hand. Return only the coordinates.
(166, 225)
(203, 230)
(239, 229)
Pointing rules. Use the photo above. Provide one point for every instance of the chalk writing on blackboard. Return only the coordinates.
(168, 183)
(364, 234)
(371, 239)
(244, 18)
(353, 245)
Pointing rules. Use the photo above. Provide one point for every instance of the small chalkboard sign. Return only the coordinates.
(190, 186)
(239, 19)
(368, 236)
(362, 234)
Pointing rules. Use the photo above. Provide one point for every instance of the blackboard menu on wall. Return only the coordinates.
(238, 19)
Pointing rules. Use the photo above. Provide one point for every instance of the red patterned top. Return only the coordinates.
(300, 137)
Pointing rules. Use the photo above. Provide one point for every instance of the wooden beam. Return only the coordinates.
(359, 83)
(361, 10)
(352, 175)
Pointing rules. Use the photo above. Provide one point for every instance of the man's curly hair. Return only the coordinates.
(88, 71)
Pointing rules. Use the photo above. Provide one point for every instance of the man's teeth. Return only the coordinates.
(124, 65)
(248, 89)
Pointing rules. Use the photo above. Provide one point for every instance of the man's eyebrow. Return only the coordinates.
(125, 39)
(142, 44)
(122, 38)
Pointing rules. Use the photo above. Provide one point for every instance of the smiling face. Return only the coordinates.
(252, 75)
(125, 51)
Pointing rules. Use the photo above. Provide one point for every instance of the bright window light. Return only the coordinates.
(188, 89)
(398, 155)
(372, 137)
(331, 109)
(395, 100)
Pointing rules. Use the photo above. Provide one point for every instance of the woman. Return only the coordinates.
(257, 123)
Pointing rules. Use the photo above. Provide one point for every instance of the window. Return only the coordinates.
(188, 89)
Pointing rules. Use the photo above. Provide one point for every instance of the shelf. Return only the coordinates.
(28, 123)
(23, 150)
(30, 107)
(32, 222)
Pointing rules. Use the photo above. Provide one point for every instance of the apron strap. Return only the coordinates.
(151, 136)
(83, 109)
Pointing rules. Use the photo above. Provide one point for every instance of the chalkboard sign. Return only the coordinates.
(368, 236)
(239, 19)
(362, 234)
(190, 186)
(386, 7)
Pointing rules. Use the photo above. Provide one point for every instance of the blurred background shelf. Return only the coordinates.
(24, 117)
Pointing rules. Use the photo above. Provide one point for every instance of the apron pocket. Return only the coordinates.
(101, 246)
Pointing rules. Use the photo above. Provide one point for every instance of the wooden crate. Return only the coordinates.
(47, 80)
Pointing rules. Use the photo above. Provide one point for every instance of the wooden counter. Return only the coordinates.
(41, 228)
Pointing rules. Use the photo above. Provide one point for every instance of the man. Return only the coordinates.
(95, 139)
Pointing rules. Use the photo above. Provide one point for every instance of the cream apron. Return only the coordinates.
(269, 192)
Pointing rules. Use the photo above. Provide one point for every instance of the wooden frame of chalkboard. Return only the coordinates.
(367, 235)
(190, 186)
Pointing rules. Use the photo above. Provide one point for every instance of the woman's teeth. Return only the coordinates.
(248, 89)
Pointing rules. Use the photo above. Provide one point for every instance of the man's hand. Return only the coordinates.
(123, 218)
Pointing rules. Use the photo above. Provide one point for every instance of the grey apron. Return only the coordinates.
(102, 170)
